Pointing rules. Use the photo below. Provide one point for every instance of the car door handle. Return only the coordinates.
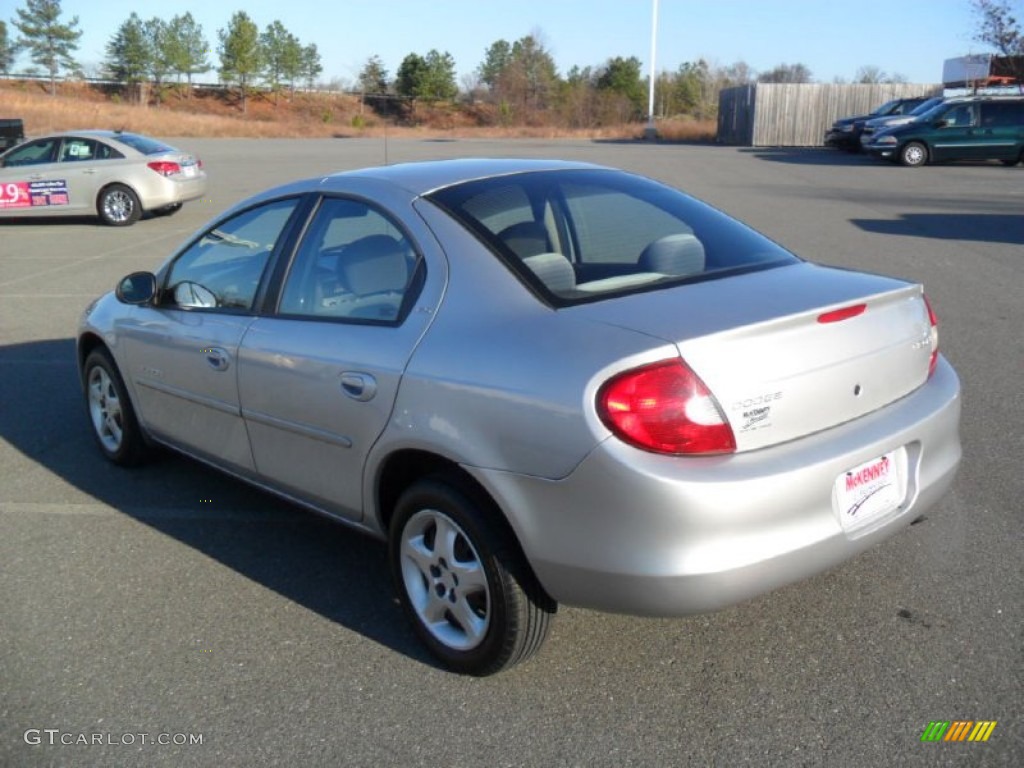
(217, 358)
(358, 386)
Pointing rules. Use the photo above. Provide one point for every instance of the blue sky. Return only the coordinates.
(833, 39)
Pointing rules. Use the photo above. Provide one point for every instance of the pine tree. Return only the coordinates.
(49, 42)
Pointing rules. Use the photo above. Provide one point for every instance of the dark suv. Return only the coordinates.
(12, 131)
(972, 128)
(845, 133)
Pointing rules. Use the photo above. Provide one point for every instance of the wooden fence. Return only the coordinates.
(798, 115)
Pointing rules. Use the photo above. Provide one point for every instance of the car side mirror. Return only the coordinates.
(136, 288)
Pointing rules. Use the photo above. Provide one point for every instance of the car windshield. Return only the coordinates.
(934, 110)
(143, 144)
(886, 108)
(581, 235)
(926, 106)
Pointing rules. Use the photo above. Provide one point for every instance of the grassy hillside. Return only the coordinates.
(213, 114)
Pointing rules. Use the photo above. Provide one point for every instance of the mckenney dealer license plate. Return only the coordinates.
(871, 490)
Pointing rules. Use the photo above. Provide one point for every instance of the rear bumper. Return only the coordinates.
(636, 533)
(162, 191)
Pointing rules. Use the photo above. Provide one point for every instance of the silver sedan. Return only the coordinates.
(541, 382)
(114, 175)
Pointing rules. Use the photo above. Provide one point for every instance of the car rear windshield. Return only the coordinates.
(143, 144)
(582, 235)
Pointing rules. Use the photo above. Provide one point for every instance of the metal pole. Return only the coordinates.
(651, 133)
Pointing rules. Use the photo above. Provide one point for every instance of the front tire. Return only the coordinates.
(462, 581)
(118, 206)
(111, 413)
(914, 154)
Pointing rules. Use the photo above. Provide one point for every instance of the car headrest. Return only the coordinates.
(679, 254)
(527, 238)
(373, 264)
(553, 269)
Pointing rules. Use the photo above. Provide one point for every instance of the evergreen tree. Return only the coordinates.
(241, 57)
(282, 56)
(129, 53)
(496, 59)
(438, 81)
(6, 49)
(373, 78)
(411, 72)
(311, 67)
(187, 48)
(624, 78)
(49, 42)
(158, 34)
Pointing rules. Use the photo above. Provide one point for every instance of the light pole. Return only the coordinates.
(650, 132)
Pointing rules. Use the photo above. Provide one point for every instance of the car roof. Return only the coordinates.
(420, 178)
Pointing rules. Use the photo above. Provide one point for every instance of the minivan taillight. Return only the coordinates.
(933, 337)
(665, 408)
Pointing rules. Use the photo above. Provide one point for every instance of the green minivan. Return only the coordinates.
(971, 128)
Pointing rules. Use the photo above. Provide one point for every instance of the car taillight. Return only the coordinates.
(165, 167)
(665, 408)
(933, 337)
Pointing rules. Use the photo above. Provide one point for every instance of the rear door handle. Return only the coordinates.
(358, 386)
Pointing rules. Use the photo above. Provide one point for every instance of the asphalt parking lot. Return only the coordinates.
(172, 604)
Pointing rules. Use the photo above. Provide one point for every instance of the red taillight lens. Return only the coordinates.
(165, 167)
(933, 337)
(665, 408)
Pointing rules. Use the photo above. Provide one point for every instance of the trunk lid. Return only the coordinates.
(778, 369)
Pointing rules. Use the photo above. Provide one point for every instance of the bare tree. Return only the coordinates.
(1000, 29)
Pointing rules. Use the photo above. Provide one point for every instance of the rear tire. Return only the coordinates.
(462, 581)
(914, 154)
(118, 206)
(111, 414)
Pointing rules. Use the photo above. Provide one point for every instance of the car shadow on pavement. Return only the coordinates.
(808, 156)
(337, 572)
(985, 228)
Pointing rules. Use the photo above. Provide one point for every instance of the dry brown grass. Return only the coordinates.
(210, 115)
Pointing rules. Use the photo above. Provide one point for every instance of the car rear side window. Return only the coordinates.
(1002, 113)
(354, 264)
(580, 235)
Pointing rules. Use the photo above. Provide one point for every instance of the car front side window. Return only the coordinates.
(33, 153)
(223, 267)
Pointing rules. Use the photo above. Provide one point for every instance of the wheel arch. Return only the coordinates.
(87, 342)
(404, 467)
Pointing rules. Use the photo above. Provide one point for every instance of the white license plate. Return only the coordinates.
(188, 170)
(871, 490)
